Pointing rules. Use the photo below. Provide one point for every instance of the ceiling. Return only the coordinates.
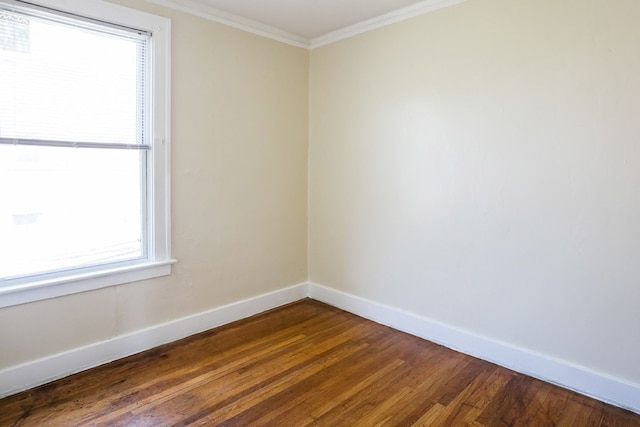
(307, 23)
(309, 18)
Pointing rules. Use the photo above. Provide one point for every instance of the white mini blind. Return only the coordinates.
(70, 81)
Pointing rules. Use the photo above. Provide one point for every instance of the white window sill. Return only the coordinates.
(23, 293)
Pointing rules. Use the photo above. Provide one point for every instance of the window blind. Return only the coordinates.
(70, 82)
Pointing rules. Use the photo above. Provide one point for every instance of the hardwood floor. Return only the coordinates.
(304, 364)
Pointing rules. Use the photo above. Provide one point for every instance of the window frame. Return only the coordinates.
(158, 261)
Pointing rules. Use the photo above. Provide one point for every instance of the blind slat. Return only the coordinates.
(72, 144)
(71, 83)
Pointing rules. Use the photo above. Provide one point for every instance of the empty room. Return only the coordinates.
(302, 212)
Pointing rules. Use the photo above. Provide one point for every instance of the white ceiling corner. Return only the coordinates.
(418, 8)
(306, 23)
(199, 8)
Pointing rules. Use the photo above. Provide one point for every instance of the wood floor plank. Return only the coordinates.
(429, 417)
(304, 364)
(467, 405)
(430, 384)
(128, 380)
(241, 380)
(303, 400)
(270, 388)
(515, 404)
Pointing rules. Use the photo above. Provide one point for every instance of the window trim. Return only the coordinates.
(158, 262)
(81, 282)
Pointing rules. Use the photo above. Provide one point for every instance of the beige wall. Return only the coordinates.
(480, 166)
(239, 184)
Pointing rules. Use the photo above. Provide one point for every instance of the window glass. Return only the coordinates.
(68, 208)
(74, 155)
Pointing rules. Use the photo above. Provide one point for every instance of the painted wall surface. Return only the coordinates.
(480, 166)
(239, 193)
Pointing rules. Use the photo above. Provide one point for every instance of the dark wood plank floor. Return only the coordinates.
(304, 364)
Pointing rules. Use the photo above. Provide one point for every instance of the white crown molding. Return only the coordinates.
(414, 10)
(235, 21)
(260, 29)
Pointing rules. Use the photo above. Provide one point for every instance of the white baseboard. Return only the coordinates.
(579, 379)
(31, 374)
(582, 380)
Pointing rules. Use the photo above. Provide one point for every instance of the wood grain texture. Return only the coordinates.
(304, 364)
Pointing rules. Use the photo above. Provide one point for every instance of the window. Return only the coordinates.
(84, 147)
